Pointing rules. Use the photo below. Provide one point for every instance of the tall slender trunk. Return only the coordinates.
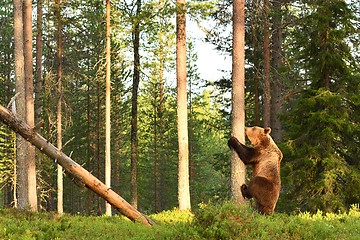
(107, 108)
(161, 172)
(39, 50)
(134, 109)
(98, 142)
(277, 64)
(21, 200)
(158, 122)
(267, 89)
(117, 146)
(182, 123)
(191, 139)
(118, 137)
(60, 187)
(11, 151)
(29, 98)
(90, 150)
(238, 97)
(156, 155)
(256, 62)
(38, 77)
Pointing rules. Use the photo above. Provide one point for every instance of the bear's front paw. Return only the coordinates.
(243, 190)
(233, 141)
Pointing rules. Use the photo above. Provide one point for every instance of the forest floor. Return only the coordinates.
(224, 221)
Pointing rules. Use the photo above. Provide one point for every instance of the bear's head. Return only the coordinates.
(257, 135)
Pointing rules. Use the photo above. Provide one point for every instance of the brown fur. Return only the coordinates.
(265, 157)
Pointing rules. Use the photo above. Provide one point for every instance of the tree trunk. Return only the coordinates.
(60, 184)
(117, 149)
(107, 108)
(158, 121)
(136, 80)
(79, 174)
(182, 123)
(90, 149)
(237, 98)
(161, 156)
(23, 74)
(267, 90)
(39, 50)
(277, 64)
(29, 98)
(254, 20)
(156, 156)
(21, 148)
(98, 142)
(38, 88)
(29, 91)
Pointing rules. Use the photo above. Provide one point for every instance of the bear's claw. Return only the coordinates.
(232, 141)
(243, 190)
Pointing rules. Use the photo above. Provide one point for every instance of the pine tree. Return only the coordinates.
(322, 165)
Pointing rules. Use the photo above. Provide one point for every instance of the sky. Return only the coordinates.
(210, 61)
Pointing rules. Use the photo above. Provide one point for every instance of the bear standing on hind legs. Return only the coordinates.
(265, 157)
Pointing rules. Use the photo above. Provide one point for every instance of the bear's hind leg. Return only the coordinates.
(264, 193)
(266, 210)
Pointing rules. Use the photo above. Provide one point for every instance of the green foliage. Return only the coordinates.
(225, 221)
(321, 151)
(317, 172)
(7, 142)
(321, 156)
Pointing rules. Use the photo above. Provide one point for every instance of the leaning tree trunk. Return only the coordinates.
(79, 174)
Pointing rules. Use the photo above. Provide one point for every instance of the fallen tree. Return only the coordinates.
(79, 174)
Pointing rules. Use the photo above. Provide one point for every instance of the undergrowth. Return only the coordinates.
(223, 221)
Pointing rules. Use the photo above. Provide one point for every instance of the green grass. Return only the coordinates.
(225, 221)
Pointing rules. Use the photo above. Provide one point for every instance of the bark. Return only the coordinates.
(254, 20)
(90, 149)
(80, 175)
(161, 172)
(98, 142)
(38, 88)
(182, 123)
(277, 64)
(237, 98)
(39, 50)
(158, 122)
(107, 108)
(21, 200)
(60, 187)
(134, 109)
(267, 90)
(29, 98)
(117, 152)
(156, 158)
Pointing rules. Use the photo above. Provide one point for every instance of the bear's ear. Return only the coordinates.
(267, 130)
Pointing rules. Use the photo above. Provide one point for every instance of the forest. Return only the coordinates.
(302, 78)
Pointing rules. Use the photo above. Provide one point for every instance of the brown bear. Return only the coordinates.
(265, 158)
